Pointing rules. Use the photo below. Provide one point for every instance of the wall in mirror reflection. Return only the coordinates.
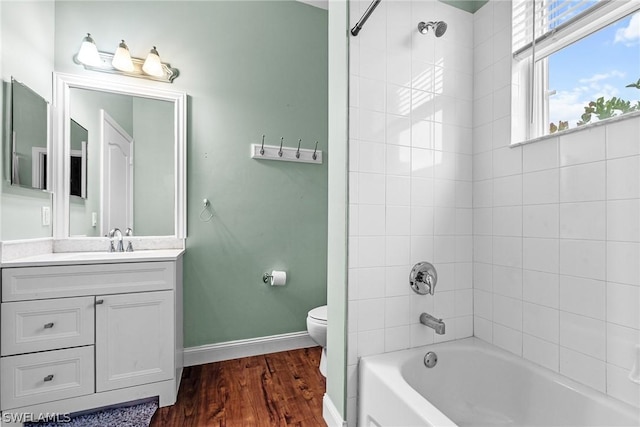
(150, 123)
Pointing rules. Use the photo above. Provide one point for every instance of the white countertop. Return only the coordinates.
(75, 258)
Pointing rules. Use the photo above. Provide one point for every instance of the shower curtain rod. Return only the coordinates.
(356, 29)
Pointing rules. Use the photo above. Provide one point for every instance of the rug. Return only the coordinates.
(129, 416)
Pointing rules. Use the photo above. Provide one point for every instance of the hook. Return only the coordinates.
(280, 152)
(315, 156)
(206, 204)
(261, 148)
(298, 152)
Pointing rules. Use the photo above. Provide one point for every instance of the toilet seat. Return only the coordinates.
(319, 314)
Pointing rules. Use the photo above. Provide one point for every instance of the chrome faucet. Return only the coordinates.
(117, 234)
(430, 321)
(423, 278)
(129, 232)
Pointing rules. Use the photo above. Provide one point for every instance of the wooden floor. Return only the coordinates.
(278, 389)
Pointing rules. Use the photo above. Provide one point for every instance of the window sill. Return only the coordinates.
(635, 114)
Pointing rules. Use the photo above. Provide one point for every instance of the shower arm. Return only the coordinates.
(356, 29)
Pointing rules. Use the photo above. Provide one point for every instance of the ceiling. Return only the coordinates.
(467, 5)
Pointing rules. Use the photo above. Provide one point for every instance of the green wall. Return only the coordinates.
(153, 180)
(26, 53)
(249, 68)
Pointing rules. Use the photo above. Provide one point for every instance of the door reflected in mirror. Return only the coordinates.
(79, 138)
(130, 181)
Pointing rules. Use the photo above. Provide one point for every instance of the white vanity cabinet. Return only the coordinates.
(75, 337)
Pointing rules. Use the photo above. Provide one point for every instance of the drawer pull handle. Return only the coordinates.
(49, 377)
(99, 301)
(48, 325)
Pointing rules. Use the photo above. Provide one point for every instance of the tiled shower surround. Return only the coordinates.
(556, 232)
(536, 247)
(410, 180)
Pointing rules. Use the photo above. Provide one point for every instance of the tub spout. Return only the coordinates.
(430, 321)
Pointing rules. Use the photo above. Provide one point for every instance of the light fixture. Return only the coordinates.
(123, 63)
(88, 53)
(152, 64)
(122, 58)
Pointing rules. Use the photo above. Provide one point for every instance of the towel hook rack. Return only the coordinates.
(262, 151)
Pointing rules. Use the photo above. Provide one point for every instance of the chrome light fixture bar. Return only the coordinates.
(169, 73)
(151, 68)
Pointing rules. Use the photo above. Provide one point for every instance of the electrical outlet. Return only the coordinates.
(46, 215)
(94, 219)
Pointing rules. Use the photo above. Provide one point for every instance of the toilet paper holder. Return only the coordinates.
(275, 278)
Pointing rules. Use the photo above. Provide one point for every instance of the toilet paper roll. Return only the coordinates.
(278, 278)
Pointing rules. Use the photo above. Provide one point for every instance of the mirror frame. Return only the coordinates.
(63, 83)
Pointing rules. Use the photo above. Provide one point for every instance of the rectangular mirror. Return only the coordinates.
(29, 137)
(135, 175)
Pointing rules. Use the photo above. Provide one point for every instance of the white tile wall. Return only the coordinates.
(537, 247)
(411, 182)
(556, 228)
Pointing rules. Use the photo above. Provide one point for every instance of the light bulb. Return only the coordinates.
(88, 53)
(122, 58)
(152, 64)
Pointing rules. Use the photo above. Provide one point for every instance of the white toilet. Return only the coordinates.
(317, 328)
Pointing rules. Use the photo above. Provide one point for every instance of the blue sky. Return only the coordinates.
(599, 65)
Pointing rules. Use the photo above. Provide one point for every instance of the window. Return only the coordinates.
(575, 62)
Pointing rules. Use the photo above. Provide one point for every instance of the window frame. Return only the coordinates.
(530, 65)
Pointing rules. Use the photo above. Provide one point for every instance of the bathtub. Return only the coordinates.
(477, 384)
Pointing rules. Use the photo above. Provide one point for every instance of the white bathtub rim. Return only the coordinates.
(389, 364)
(391, 375)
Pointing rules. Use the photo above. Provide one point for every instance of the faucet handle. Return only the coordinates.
(423, 278)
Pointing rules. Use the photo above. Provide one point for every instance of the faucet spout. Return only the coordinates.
(435, 324)
(116, 233)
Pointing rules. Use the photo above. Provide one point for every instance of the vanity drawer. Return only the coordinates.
(30, 326)
(35, 378)
(31, 283)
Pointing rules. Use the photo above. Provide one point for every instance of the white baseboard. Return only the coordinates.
(243, 348)
(330, 413)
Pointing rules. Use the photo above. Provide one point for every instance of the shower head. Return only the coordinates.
(440, 27)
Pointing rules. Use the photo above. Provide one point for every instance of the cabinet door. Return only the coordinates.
(134, 339)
